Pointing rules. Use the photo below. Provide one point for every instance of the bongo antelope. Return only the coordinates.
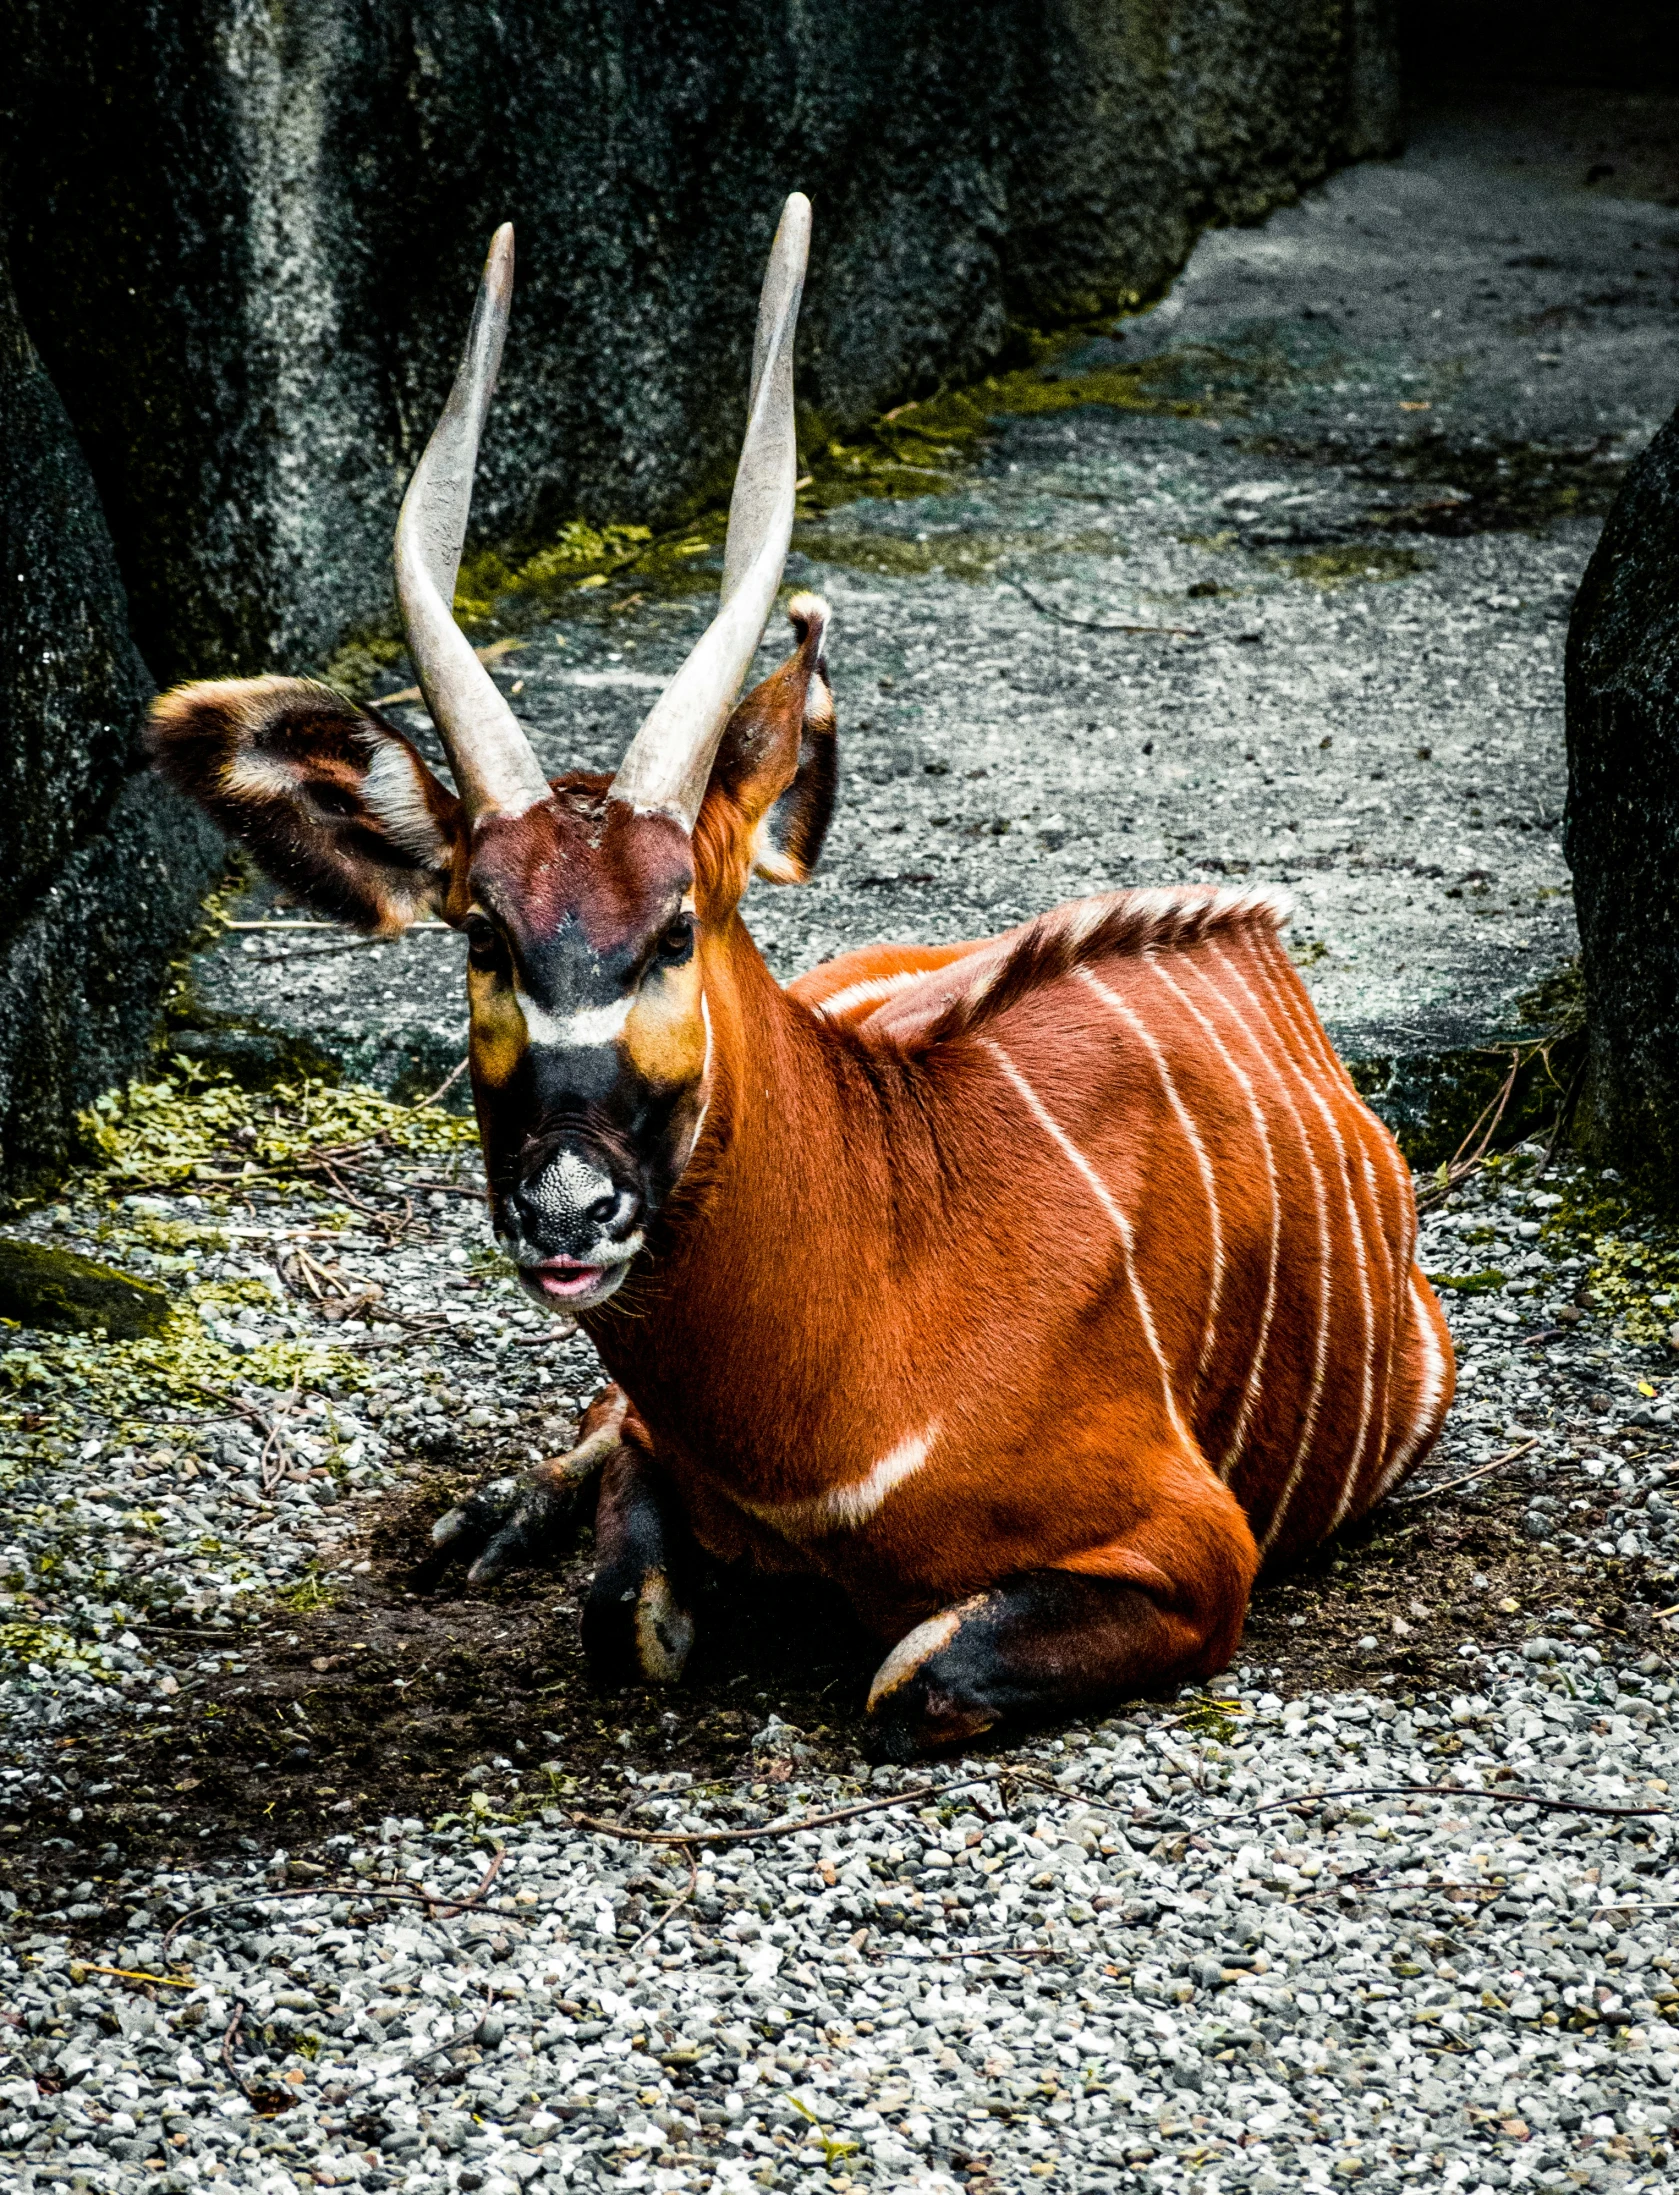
(1035, 1289)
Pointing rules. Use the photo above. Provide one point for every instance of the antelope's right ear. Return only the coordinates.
(327, 798)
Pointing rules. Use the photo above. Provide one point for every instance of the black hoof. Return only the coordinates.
(509, 1522)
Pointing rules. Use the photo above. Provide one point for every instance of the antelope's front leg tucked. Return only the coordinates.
(634, 1622)
(1153, 1609)
(510, 1521)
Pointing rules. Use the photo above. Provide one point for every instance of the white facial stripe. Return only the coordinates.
(844, 1508)
(571, 1032)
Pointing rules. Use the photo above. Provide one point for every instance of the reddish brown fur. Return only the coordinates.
(873, 1237)
(1066, 1256)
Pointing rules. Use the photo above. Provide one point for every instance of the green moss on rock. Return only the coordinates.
(66, 1294)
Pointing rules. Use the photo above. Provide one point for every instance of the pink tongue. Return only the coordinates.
(569, 1280)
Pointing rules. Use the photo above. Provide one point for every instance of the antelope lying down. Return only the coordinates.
(1035, 1290)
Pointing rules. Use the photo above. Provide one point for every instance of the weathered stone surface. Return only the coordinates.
(67, 1294)
(1367, 533)
(101, 868)
(1622, 831)
(245, 239)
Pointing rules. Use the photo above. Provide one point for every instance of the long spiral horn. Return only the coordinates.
(669, 760)
(492, 760)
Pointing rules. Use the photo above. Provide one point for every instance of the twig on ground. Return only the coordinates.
(1438, 1791)
(324, 926)
(442, 1908)
(675, 1904)
(788, 1828)
(130, 1974)
(445, 1086)
(1564, 1113)
(1095, 624)
(437, 2050)
(233, 2072)
(1458, 1168)
(1480, 1472)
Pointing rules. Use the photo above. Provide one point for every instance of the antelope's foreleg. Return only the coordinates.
(634, 1623)
(524, 1519)
(1103, 1627)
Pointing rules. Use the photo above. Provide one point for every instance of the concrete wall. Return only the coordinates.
(245, 238)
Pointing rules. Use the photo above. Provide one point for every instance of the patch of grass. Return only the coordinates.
(188, 1122)
(1487, 1282)
(1348, 563)
(311, 1593)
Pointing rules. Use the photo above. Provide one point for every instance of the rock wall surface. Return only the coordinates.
(1622, 829)
(245, 238)
(101, 867)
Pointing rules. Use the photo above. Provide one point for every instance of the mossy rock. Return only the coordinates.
(72, 1295)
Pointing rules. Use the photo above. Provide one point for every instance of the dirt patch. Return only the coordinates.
(410, 1695)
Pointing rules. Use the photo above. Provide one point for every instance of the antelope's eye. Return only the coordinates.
(677, 942)
(483, 942)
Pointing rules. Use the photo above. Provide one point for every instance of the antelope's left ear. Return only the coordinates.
(333, 803)
(772, 786)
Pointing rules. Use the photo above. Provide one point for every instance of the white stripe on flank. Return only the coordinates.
(1250, 1394)
(1203, 1163)
(1355, 1221)
(1122, 1226)
(844, 1508)
(1433, 1387)
(869, 991)
(1283, 984)
(572, 1032)
(1315, 1396)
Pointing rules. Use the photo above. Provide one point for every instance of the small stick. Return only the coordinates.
(693, 1860)
(233, 2072)
(1096, 624)
(1480, 1471)
(449, 2042)
(443, 1909)
(1439, 1791)
(773, 1829)
(128, 1974)
(447, 1084)
(325, 926)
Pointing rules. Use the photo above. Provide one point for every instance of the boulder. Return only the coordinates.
(246, 240)
(101, 868)
(1622, 827)
(67, 1294)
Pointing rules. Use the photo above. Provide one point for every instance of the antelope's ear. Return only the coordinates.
(772, 786)
(328, 799)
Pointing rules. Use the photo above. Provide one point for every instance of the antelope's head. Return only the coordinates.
(591, 906)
